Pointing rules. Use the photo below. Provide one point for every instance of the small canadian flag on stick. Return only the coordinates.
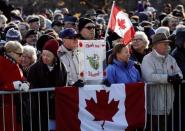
(120, 23)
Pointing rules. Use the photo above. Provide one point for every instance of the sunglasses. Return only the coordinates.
(90, 27)
(19, 54)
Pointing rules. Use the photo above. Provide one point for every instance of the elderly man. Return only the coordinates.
(69, 56)
(160, 69)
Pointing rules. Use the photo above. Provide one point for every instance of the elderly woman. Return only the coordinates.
(28, 58)
(120, 68)
(11, 78)
(139, 47)
(48, 71)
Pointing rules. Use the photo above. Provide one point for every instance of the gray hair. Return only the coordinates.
(143, 36)
(31, 51)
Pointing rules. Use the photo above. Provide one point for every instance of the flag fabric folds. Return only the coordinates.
(121, 24)
(120, 107)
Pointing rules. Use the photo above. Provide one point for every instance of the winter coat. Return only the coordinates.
(40, 76)
(9, 72)
(71, 62)
(179, 54)
(160, 94)
(120, 72)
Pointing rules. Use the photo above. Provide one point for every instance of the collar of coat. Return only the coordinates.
(63, 50)
(8, 57)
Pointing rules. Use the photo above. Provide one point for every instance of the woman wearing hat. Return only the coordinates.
(47, 72)
(11, 78)
(160, 69)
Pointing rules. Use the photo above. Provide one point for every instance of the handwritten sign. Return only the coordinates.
(92, 55)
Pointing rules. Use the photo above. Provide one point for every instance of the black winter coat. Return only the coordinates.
(40, 76)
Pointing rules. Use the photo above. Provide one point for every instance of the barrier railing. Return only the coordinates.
(16, 110)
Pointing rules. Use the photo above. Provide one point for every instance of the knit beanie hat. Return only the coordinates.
(82, 22)
(13, 35)
(52, 46)
(42, 41)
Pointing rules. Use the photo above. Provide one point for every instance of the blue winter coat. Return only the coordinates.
(120, 72)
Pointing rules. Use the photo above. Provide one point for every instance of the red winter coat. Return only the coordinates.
(9, 72)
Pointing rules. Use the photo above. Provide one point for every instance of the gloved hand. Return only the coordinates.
(106, 82)
(25, 86)
(17, 85)
(175, 79)
(79, 83)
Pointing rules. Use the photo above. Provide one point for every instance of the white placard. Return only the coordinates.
(92, 55)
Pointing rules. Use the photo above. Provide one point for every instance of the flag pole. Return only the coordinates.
(107, 29)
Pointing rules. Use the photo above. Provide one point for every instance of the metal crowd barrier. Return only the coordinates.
(169, 120)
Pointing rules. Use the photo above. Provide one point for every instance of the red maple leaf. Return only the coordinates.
(102, 110)
(121, 23)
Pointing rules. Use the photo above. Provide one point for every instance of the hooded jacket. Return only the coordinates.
(121, 72)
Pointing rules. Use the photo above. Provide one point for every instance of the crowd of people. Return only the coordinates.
(41, 50)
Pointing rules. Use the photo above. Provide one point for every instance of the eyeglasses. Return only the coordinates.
(90, 27)
(139, 39)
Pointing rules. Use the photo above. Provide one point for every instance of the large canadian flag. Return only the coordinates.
(121, 24)
(120, 107)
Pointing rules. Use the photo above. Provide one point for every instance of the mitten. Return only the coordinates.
(79, 83)
(106, 82)
(17, 85)
(174, 79)
(25, 86)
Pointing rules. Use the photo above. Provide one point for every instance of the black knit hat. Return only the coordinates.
(82, 22)
(42, 40)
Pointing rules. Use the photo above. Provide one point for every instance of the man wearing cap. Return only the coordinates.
(70, 21)
(68, 55)
(86, 28)
(57, 26)
(160, 69)
(31, 37)
(34, 22)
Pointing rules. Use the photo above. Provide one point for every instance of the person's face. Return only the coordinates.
(138, 44)
(57, 28)
(42, 23)
(167, 10)
(124, 55)
(47, 57)
(2, 23)
(35, 25)
(69, 25)
(173, 23)
(32, 39)
(16, 56)
(162, 48)
(88, 32)
(71, 42)
(23, 30)
(26, 60)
